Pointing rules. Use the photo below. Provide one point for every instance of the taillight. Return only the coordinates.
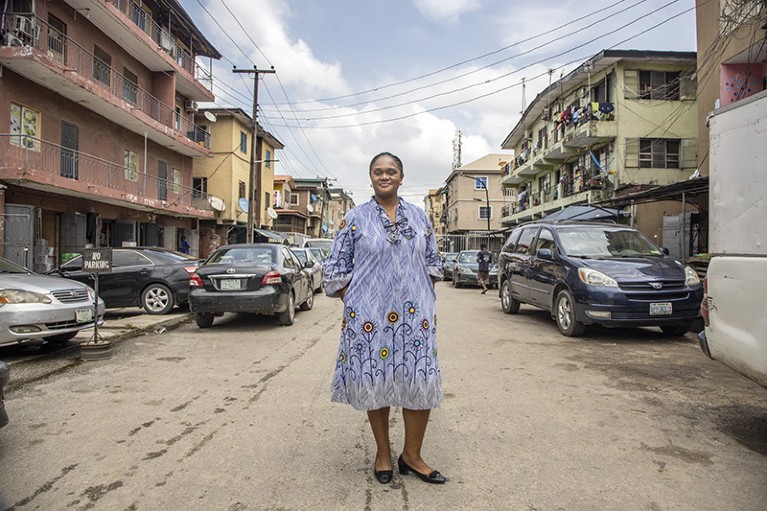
(273, 277)
(195, 280)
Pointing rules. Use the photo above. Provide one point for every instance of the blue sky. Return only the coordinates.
(348, 69)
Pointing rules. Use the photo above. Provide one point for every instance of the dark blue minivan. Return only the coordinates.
(597, 273)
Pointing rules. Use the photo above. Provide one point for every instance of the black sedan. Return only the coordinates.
(149, 277)
(4, 373)
(261, 278)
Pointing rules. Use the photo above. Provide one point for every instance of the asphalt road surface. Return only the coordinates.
(237, 417)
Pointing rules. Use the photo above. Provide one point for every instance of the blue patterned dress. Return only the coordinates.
(388, 351)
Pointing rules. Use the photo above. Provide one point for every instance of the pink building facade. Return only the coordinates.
(97, 133)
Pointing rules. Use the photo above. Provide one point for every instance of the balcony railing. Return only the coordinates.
(164, 39)
(54, 161)
(40, 35)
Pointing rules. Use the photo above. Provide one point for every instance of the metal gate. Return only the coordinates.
(18, 234)
(470, 241)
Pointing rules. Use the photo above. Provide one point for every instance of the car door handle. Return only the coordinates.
(143, 271)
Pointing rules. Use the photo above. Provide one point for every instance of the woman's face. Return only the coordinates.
(386, 177)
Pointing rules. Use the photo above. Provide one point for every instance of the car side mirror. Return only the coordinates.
(308, 265)
(545, 253)
(665, 251)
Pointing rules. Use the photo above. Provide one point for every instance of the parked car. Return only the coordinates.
(597, 273)
(305, 255)
(323, 243)
(466, 267)
(448, 264)
(4, 375)
(261, 278)
(34, 306)
(319, 253)
(150, 277)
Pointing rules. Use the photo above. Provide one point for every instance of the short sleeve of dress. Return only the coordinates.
(338, 267)
(433, 262)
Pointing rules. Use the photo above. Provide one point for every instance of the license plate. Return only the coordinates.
(83, 315)
(230, 284)
(660, 309)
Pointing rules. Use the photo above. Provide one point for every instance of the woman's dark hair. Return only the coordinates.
(390, 155)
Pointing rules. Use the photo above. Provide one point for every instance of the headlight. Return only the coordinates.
(690, 276)
(21, 296)
(596, 278)
(91, 293)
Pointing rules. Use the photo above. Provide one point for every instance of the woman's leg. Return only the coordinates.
(415, 428)
(379, 423)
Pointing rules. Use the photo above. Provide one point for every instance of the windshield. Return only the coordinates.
(596, 243)
(321, 243)
(7, 266)
(250, 255)
(301, 255)
(170, 254)
(450, 257)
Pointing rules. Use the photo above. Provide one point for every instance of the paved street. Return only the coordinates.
(237, 417)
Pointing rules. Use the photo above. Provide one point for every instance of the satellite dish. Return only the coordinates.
(501, 163)
(310, 208)
(243, 203)
(216, 203)
(271, 212)
(210, 116)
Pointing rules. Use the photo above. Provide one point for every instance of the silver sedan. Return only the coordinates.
(34, 306)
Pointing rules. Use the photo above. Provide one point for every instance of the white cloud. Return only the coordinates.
(446, 10)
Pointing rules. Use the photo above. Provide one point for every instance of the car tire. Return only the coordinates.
(289, 315)
(61, 338)
(157, 299)
(309, 303)
(564, 313)
(509, 304)
(204, 319)
(675, 330)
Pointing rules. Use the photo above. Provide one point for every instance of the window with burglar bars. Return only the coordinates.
(485, 212)
(480, 182)
(659, 153)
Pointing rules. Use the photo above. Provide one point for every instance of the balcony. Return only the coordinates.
(154, 45)
(35, 163)
(49, 58)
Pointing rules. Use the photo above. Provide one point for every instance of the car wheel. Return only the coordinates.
(564, 311)
(675, 330)
(157, 299)
(309, 303)
(61, 338)
(289, 315)
(509, 304)
(204, 319)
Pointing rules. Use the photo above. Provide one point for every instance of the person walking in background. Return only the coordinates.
(184, 245)
(484, 257)
(383, 265)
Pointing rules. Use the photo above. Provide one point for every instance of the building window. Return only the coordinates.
(294, 199)
(102, 62)
(176, 182)
(130, 86)
(242, 190)
(131, 165)
(57, 34)
(659, 85)
(485, 212)
(25, 123)
(480, 183)
(199, 187)
(658, 153)
(268, 158)
(243, 142)
(267, 202)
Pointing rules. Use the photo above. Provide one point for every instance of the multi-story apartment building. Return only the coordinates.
(285, 201)
(339, 204)
(97, 133)
(622, 120)
(226, 175)
(475, 196)
(434, 206)
(732, 63)
(312, 201)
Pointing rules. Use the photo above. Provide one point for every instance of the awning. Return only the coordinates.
(272, 235)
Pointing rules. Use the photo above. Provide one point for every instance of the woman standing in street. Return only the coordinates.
(383, 264)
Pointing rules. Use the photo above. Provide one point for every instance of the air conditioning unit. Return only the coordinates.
(190, 106)
(528, 135)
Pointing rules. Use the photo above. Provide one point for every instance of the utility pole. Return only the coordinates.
(255, 153)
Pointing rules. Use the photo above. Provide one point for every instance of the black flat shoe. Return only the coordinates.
(434, 478)
(383, 476)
